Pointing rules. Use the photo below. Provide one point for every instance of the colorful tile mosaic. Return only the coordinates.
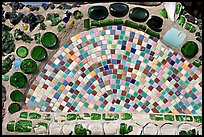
(117, 69)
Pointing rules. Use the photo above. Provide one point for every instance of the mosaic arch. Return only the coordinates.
(116, 69)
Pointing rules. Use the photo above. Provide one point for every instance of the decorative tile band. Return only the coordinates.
(123, 123)
(117, 69)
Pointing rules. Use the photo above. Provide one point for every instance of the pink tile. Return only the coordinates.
(86, 48)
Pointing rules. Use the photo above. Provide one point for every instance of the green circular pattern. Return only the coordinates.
(49, 40)
(18, 80)
(28, 66)
(38, 53)
(16, 95)
(14, 107)
(22, 52)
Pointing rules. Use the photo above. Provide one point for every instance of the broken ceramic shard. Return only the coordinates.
(8, 44)
(164, 13)
(174, 37)
(5, 77)
(10, 126)
(190, 49)
(125, 129)
(54, 18)
(24, 115)
(64, 6)
(71, 23)
(7, 64)
(77, 14)
(20, 35)
(37, 37)
(33, 115)
(17, 63)
(45, 6)
(32, 7)
(80, 130)
(23, 126)
(61, 28)
(42, 26)
(171, 9)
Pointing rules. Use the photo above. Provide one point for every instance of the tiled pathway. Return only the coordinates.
(116, 68)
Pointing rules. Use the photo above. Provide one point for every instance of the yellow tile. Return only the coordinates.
(73, 57)
(92, 73)
(155, 61)
(62, 87)
(184, 66)
(68, 55)
(154, 66)
(67, 50)
(128, 48)
(175, 111)
(77, 36)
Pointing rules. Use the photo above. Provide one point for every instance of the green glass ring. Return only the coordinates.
(49, 40)
(16, 95)
(18, 80)
(38, 53)
(28, 66)
(22, 51)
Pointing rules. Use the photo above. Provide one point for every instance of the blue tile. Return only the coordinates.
(133, 50)
(148, 67)
(138, 62)
(112, 109)
(147, 110)
(170, 54)
(132, 34)
(68, 104)
(114, 61)
(81, 57)
(132, 81)
(172, 62)
(60, 57)
(65, 83)
(110, 72)
(149, 46)
(149, 74)
(123, 47)
(106, 67)
(119, 27)
(112, 32)
(56, 95)
(141, 37)
(101, 85)
(127, 106)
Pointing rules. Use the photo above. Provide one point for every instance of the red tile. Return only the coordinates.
(69, 41)
(139, 42)
(33, 87)
(45, 86)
